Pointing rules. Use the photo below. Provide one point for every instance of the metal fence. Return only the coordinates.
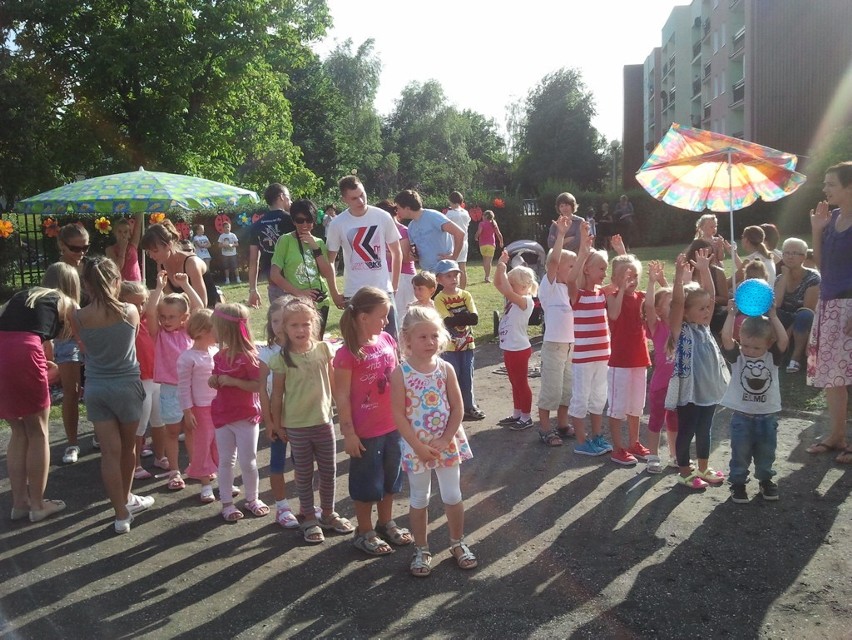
(27, 253)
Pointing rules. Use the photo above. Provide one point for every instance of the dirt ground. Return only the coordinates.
(569, 547)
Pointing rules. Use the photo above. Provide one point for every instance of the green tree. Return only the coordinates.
(558, 141)
(356, 75)
(188, 85)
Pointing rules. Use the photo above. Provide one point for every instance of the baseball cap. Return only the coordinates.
(446, 266)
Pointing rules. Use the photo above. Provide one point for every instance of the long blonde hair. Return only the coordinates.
(418, 315)
(231, 322)
(365, 300)
(63, 277)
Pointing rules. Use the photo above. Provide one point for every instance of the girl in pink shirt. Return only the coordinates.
(167, 317)
(362, 369)
(236, 408)
(195, 366)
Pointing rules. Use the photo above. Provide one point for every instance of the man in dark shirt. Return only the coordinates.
(263, 237)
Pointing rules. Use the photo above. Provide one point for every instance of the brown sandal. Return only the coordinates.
(550, 438)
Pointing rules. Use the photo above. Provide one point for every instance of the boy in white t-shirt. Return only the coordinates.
(459, 215)
(228, 243)
(555, 292)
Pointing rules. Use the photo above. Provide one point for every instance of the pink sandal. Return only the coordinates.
(258, 508)
(231, 514)
(176, 482)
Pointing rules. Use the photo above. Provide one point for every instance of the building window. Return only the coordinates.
(723, 38)
(715, 42)
(715, 86)
(724, 81)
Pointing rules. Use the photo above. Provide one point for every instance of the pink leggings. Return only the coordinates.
(517, 366)
(204, 461)
(233, 439)
(306, 445)
(658, 414)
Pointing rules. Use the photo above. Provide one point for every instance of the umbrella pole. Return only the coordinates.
(731, 215)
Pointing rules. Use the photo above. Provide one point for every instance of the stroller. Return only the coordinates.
(526, 253)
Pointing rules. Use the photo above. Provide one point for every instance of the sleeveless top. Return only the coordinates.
(209, 285)
(111, 351)
(428, 409)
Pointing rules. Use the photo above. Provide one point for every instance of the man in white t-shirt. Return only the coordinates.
(458, 214)
(364, 233)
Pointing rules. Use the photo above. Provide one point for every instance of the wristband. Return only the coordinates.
(316, 252)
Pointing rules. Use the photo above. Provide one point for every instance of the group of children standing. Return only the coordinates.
(594, 355)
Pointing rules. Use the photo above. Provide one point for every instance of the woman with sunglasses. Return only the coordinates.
(73, 241)
(300, 264)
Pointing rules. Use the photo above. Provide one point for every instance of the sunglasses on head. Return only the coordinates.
(77, 249)
(302, 221)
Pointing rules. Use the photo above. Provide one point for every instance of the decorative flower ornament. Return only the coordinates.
(103, 225)
(51, 228)
(156, 218)
(243, 219)
(499, 203)
(6, 228)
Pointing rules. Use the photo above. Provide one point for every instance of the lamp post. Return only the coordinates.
(614, 146)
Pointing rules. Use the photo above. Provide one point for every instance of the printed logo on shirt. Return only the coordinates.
(362, 245)
(756, 378)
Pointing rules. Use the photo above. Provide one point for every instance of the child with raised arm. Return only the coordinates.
(754, 396)
(555, 293)
(167, 317)
(700, 376)
(236, 408)
(362, 370)
(628, 360)
(657, 305)
(301, 413)
(518, 287)
(195, 366)
(591, 347)
(427, 408)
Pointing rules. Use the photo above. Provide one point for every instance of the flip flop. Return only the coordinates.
(820, 447)
(845, 457)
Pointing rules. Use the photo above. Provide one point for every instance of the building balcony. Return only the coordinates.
(696, 87)
(738, 134)
(707, 72)
(706, 27)
(738, 93)
(738, 43)
(696, 50)
(707, 111)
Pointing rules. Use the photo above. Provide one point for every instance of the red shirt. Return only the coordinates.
(629, 346)
(232, 404)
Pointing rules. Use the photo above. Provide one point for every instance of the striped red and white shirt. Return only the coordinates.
(591, 328)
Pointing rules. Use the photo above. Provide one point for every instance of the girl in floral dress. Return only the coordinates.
(428, 408)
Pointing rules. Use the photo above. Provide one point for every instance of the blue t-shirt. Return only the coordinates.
(431, 240)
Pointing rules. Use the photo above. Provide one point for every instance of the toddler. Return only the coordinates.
(201, 244)
(228, 243)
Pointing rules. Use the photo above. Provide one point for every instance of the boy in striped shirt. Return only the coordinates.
(591, 347)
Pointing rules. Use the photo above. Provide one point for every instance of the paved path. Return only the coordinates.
(568, 547)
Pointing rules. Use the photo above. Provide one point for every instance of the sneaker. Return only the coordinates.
(769, 490)
(227, 281)
(794, 367)
(711, 476)
(654, 465)
(622, 456)
(521, 425)
(238, 280)
(138, 504)
(507, 421)
(95, 443)
(602, 444)
(474, 414)
(71, 454)
(587, 448)
(639, 451)
(123, 526)
(738, 494)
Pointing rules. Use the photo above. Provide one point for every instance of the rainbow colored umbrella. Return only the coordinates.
(134, 192)
(696, 170)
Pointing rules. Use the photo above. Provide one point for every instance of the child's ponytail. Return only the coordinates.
(364, 301)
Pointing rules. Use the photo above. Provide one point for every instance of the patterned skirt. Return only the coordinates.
(830, 346)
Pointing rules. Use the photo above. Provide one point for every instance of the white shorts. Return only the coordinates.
(150, 408)
(556, 375)
(170, 411)
(588, 392)
(626, 391)
(463, 253)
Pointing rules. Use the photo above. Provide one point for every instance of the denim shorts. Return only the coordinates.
(377, 472)
(170, 411)
(66, 351)
(277, 456)
(110, 400)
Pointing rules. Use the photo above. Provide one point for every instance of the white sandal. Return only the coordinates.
(465, 557)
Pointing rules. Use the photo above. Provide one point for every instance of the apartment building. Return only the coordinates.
(762, 70)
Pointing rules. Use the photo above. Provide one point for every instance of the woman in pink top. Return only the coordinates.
(195, 366)
(124, 251)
